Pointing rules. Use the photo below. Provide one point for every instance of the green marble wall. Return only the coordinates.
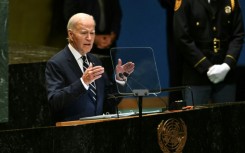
(3, 61)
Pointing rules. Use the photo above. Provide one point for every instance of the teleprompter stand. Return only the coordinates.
(140, 93)
(140, 82)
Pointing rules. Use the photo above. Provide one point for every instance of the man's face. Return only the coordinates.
(82, 36)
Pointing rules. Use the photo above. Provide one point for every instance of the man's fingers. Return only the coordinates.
(119, 62)
(96, 72)
(129, 67)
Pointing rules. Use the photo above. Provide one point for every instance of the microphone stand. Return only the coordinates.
(179, 88)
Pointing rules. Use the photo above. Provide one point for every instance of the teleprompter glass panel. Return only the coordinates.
(144, 79)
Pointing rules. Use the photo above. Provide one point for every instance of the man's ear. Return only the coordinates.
(70, 34)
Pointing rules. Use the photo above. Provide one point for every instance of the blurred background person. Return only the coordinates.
(174, 57)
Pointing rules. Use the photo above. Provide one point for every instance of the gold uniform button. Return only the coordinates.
(197, 23)
(214, 29)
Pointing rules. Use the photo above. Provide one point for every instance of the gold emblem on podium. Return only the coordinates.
(172, 135)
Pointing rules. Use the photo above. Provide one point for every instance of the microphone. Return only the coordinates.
(179, 89)
(125, 74)
(118, 95)
(115, 96)
(136, 92)
(121, 76)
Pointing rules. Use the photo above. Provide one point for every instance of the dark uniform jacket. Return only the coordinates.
(207, 34)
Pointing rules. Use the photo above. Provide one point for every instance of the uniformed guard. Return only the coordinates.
(209, 34)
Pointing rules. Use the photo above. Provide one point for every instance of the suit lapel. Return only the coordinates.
(72, 63)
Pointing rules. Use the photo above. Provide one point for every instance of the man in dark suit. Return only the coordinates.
(107, 15)
(209, 34)
(77, 85)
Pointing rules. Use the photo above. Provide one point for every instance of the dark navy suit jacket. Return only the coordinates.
(68, 98)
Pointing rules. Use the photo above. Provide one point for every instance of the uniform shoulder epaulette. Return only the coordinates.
(232, 5)
(177, 4)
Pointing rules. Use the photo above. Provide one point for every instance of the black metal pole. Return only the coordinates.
(140, 99)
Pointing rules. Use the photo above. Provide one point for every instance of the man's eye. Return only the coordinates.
(84, 33)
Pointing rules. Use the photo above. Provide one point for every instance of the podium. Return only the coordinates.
(215, 128)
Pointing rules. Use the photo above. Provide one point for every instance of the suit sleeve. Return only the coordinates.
(236, 43)
(59, 93)
(185, 44)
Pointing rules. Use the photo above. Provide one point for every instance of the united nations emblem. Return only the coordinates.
(227, 9)
(172, 135)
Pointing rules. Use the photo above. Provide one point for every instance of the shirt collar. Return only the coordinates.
(75, 53)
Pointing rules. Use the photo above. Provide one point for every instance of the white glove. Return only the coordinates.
(217, 73)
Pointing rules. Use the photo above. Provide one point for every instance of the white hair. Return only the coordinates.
(78, 17)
